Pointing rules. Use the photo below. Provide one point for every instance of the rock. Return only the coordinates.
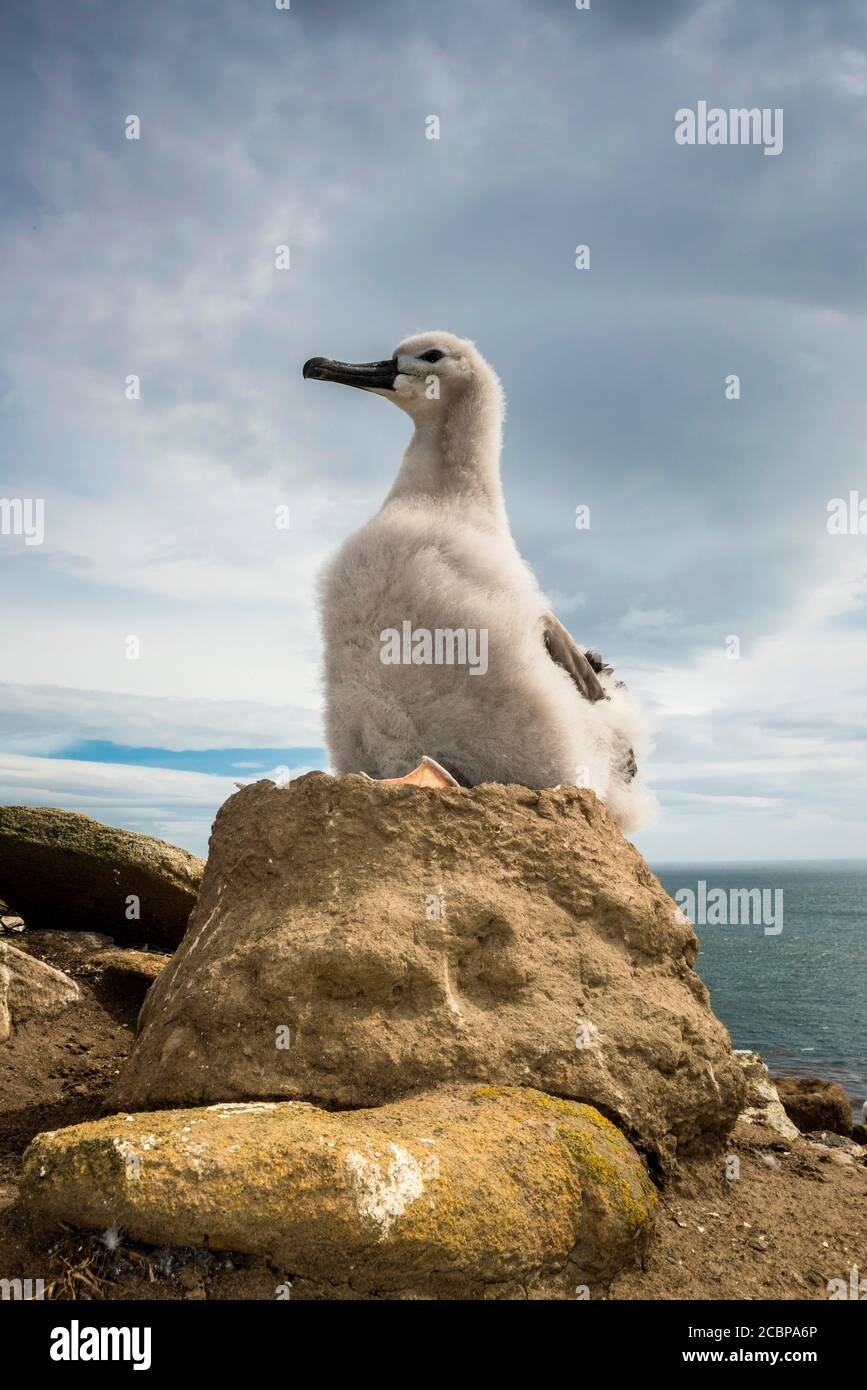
(10, 922)
(763, 1107)
(136, 965)
(842, 1159)
(30, 989)
(77, 943)
(811, 1103)
(829, 1139)
(453, 1194)
(62, 868)
(132, 971)
(356, 942)
(65, 949)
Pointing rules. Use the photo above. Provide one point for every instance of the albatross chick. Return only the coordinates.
(440, 648)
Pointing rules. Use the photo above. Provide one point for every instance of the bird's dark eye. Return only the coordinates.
(433, 356)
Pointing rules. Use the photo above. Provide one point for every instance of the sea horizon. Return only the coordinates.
(713, 863)
(795, 991)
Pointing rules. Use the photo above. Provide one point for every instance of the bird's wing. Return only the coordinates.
(564, 650)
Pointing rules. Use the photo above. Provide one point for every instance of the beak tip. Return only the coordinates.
(366, 375)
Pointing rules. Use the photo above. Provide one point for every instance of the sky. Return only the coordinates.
(305, 127)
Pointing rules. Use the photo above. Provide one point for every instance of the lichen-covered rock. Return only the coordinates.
(457, 1193)
(30, 989)
(812, 1103)
(763, 1105)
(62, 869)
(355, 942)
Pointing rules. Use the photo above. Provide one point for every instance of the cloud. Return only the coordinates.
(638, 619)
(781, 730)
(306, 127)
(175, 806)
(45, 719)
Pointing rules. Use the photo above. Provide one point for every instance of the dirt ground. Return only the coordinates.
(782, 1230)
(793, 1218)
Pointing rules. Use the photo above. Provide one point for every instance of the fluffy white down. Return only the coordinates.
(449, 561)
(523, 721)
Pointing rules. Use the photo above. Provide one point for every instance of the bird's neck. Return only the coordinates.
(454, 457)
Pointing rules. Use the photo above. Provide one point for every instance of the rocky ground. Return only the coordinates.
(792, 1221)
(55, 1073)
(523, 1094)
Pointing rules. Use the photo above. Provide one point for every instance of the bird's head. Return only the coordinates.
(426, 375)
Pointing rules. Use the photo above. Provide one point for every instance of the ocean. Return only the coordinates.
(797, 996)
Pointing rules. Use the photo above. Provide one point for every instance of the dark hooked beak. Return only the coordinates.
(367, 375)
